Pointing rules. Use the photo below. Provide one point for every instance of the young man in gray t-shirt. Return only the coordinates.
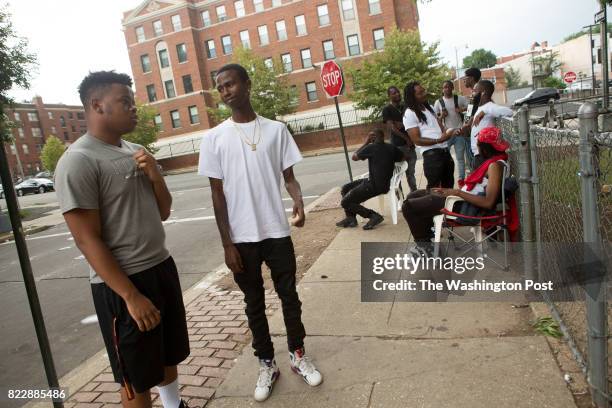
(114, 199)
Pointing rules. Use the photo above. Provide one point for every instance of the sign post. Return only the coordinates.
(569, 77)
(333, 82)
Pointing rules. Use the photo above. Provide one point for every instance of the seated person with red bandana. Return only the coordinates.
(482, 188)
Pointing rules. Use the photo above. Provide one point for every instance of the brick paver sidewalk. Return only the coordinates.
(218, 332)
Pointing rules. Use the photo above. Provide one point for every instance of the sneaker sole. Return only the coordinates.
(303, 378)
(271, 388)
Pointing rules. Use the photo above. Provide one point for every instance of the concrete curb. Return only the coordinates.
(33, 230)
(90, 368)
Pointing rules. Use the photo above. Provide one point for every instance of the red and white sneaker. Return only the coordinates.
(268, 374)
(302, 365)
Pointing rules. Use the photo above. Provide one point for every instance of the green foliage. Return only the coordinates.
(51, 153)
(480, 58)
(145, 133)
(548, 327)
(271, 94)
(546, 64)
(405, 58)
(513, 77)
(554, 82)
(594, 30)
(16, 65)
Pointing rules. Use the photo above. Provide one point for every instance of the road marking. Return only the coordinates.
(91, 319)
(289, 198)
(177, 221)
(64, 248)
(188, 190)
(80, 257)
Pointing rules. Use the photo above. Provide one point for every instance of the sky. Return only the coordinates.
(73, 37)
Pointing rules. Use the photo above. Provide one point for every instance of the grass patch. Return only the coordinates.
(548, 327)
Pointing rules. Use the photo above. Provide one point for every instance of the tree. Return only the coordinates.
(271, 94)
(480, 58)
(51, 153)
(554, 82)
(513, 77)
(546, 64)
(145, 133)
(594, 30)
(404, 58)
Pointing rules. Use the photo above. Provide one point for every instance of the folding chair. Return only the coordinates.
(484, 230)
(396, 194)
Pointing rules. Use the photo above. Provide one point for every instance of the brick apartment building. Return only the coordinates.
(35, 122)
(176, 47)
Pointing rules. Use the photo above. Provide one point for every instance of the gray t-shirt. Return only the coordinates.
(95, 175)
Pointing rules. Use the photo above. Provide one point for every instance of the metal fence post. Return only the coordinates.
(526, 192)
(596, 308)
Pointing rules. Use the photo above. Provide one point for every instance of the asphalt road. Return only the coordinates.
(62, 274)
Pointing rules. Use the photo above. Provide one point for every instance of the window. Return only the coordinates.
(328, 50)
(239, 7)
(176, 119)
(151, 93)
(33, 116)
(157, 28)
(263, 35)
(194, 117)
(211, 51)
(205, 20)
(158, 122)
(348, 11)
(379, 38)
(39, 148)
(353, 44)
(374, 6)
(213, 77)
(294, 101)
(287, 66)
(25, 148)
(66, 137)
(300, 25)
(244, 39)
(17, 117)
(73, 128)
(80, 116)
(145, 61)
(276, 3)
(140, 35)
(170, 92)
(323, 14)
(69, 115)
(20, 131)
(306, 58)
(62, 121)
(36, 132)
(13, 150)
(187, 84)
(83, 129)
(221, 15)
(269, 63)
(311, 91)
(181, 52)
(176, 23)
(53, 130)
(50, 114)
(281, 30)
(258, 5)
(163, 58)
(226, 43)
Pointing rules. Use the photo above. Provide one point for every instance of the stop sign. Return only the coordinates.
(331, 78)
(569, 77)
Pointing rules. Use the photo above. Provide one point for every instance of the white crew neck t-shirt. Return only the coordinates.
(429, 130)
(251, 178)
(491, 112)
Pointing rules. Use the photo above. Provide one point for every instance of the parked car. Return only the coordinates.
(34, 185)
(537, 97)
(44, 174)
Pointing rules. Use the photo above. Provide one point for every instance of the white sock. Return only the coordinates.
(169, 395)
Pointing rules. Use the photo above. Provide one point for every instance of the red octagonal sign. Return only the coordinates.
(331, 78)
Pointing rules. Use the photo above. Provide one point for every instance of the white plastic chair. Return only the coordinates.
(395, 194)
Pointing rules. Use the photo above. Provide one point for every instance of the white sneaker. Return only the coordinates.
(268, 373)
(302, 365)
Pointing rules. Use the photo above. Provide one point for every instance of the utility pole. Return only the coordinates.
(592, 58)
(604, 54)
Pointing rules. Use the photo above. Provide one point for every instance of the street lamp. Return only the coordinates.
(457, 65)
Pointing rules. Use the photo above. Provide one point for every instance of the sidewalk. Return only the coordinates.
(426, 355)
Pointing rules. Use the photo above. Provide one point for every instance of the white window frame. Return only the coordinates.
(171, 81)
(309, 59)
(158, 28)
(258, 5)
(374, 7)
(191, 115)
(267, 35)
(333, 51)
(376, 40)
(176, 22)
(287, 63)
(348, 13)
(297, 26)
(283, 30)
(323, 16)
(308, 92)
(211, 52)
(245, 39)
(350, 47)
(239, 8)
(178, 119)
(223, 45)
(221, 16)
(140, 34)
(178, 54)
(206, 21)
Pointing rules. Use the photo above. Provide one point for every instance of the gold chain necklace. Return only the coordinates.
(256, 132)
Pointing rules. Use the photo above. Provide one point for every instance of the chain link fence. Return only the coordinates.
(562, 208)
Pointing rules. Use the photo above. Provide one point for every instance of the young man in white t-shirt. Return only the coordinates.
(485, 116)
(426, 133)
(450, 108)
(244, 158)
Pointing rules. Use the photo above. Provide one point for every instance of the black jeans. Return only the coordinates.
(411, 159)
(355, 193)
(279, 255)
(439, 168)
(418, 209)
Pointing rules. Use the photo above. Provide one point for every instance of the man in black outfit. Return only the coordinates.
(392, 115)
(381, 158)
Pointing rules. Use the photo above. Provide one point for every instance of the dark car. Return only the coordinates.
(538, 96)
(35, 185)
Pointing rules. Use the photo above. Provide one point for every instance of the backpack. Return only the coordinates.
(456, 102)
